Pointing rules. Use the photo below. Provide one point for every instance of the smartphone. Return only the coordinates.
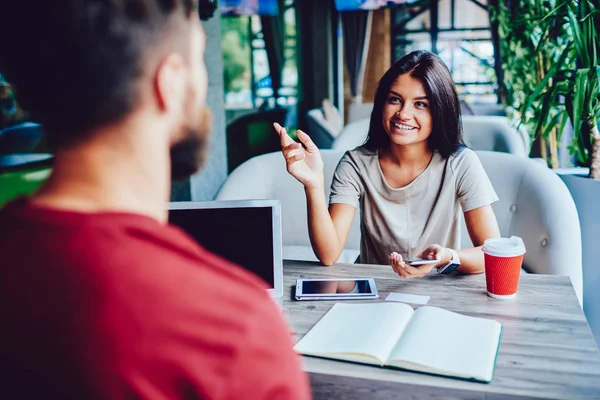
(415, 262)
(336, 289)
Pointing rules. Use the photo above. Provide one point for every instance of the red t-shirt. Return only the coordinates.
(119, 306)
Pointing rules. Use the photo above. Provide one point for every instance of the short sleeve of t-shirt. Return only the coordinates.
(473, 186)
(345, 186)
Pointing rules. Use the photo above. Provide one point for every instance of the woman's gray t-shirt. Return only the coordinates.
(424, 212)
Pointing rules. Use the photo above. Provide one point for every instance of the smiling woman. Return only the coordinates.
(411, 178)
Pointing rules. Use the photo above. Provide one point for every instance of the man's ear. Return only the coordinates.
(170, 83)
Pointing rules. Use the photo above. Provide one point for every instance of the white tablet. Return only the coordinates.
(336, 289)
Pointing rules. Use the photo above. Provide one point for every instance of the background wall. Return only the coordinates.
(205, 184)
(379, 58)
(315, 49)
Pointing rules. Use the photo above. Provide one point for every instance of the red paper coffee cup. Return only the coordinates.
(503, 262)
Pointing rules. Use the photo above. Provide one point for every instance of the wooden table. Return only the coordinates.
(547, 348)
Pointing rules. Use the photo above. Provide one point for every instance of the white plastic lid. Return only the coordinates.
(504, 247)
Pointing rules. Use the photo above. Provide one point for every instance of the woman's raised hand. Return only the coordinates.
(304, 164)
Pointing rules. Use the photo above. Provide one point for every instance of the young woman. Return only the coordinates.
(411, 178)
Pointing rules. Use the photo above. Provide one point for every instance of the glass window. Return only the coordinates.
(247, 77)
(461, 37)
(235, 45)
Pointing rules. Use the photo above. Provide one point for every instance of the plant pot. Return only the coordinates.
(586, 194)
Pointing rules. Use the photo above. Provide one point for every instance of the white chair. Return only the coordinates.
(480, 132)
(358, 111)
(495, 133)
(324, 124)
(534, 205)
(352, 135)
(321, 131)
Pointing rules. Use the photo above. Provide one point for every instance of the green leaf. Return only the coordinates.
(543, 83)
(578, 99)
(555, 10)
(578, 37)
(563, 123)
(548, 102)
(593, 92)
(551, 125)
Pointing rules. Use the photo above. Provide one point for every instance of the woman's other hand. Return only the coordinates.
(306, 165)
(406, 271)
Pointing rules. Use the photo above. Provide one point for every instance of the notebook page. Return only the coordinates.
(448, 343)
(359, 329)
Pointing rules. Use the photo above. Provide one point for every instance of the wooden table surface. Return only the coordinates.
(547, 349)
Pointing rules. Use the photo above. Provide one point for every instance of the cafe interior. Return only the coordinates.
(527, 75)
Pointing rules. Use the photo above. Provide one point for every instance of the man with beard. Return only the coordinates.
(99, 297)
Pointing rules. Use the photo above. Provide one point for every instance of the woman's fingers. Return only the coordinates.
(284, 138)
(403, 269)
(426, 254)
(398, 265)
(293, 153)
(432, 252)
(294, 158)
(307, 141)
(394, 264)
(412, 271)
(292, 150)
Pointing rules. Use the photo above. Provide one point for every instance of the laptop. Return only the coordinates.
(245, 232)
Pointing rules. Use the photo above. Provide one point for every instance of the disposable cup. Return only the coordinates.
(503, 262)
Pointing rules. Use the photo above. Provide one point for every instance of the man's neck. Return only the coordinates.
(116, 170)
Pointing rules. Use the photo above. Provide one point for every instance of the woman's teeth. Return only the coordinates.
(404, 127)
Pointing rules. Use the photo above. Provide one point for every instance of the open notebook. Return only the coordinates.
(430, 339)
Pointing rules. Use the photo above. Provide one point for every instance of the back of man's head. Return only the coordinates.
(80, 65)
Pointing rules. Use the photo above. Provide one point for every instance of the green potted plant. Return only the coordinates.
(570, 92)
(529, 44)
(570, 88)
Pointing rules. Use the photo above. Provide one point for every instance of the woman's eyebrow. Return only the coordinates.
(416, 98)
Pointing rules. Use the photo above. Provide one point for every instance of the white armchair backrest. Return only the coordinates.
(358, 111)
(352, 135)
(322, 131)
(494, 133)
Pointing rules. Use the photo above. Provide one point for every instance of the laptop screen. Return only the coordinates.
(242, 235)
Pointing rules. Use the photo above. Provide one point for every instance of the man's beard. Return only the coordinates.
(189, 154)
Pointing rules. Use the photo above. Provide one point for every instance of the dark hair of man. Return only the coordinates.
(446, 135)
(76, 65)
